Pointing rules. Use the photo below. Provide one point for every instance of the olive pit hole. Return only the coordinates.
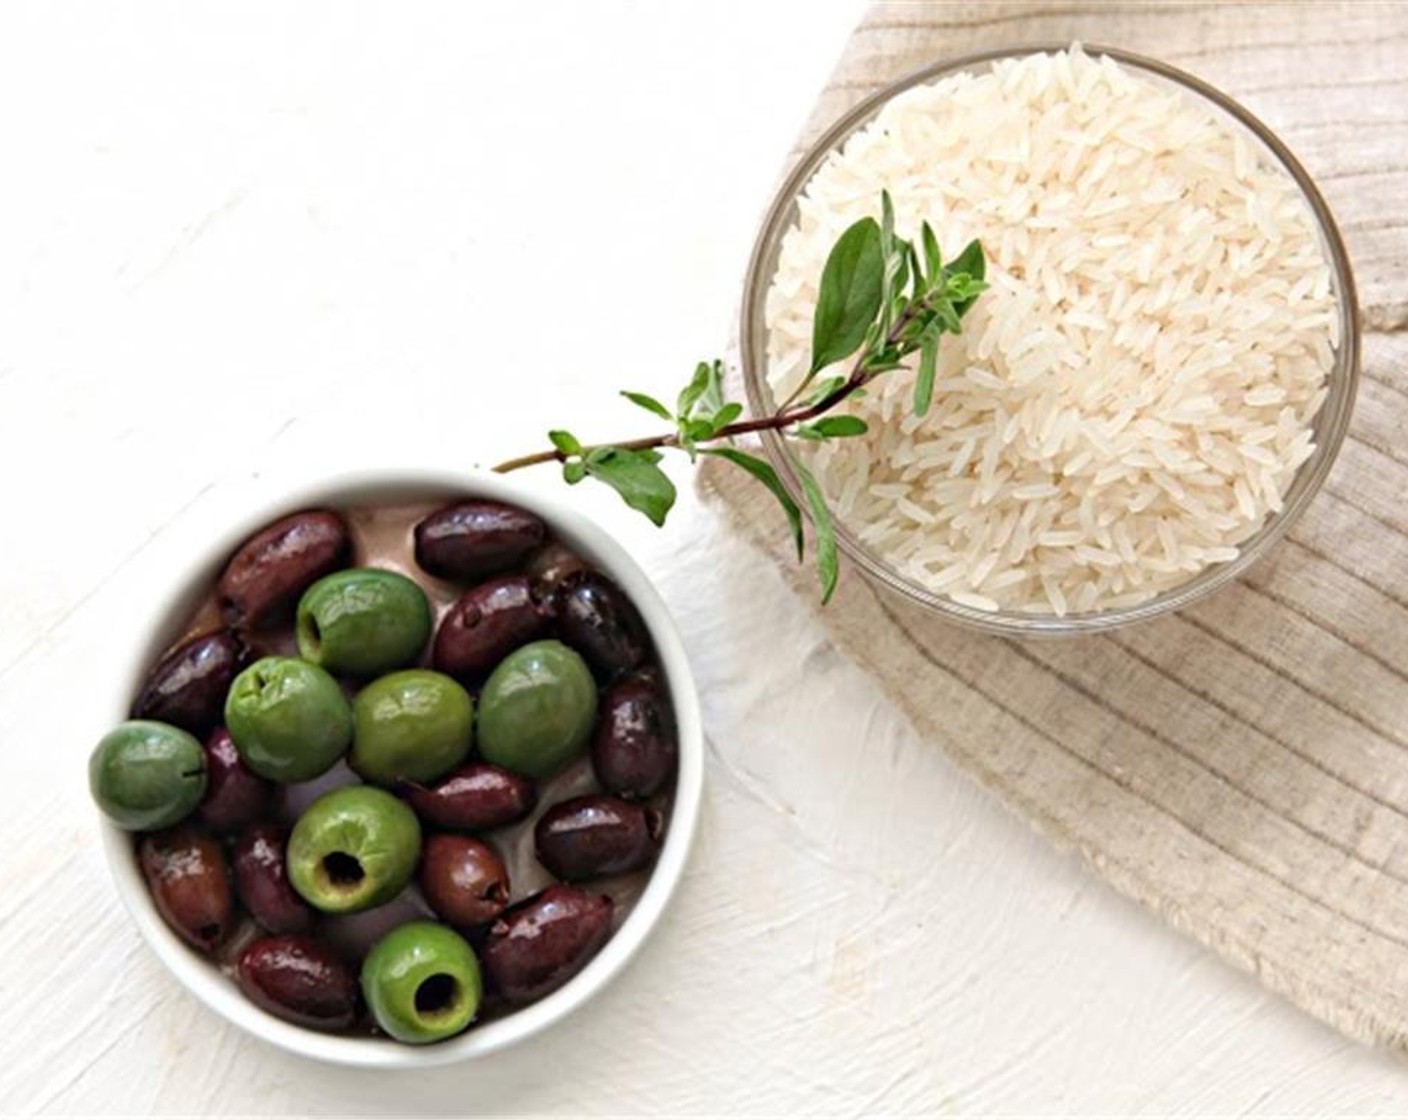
(312, 635)
(437, 994)
(343, 870)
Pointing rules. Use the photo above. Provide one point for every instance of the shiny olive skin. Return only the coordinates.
(411, 726)
(363, 621)
(146, 775)
(289, 719)
(595, 618)
(635, 748)
(463, 879)
(537, 709)
(353, 849)
(301, 980)
(234, 794)
(537, 945)
(422, 982)
(590, 837)
(486, 624)
(190, 884)
(551, 565)
(187, 687)
(473, 539)
(266, 575)
(475, 798)
(261, 881)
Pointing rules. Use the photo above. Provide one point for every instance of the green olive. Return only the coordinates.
(422, 982)
(411, 726)
(363, 621)
(146, 775)
(289, 719)
(352, 849)
(537, 709)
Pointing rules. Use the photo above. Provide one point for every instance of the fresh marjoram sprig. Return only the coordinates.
(880, 301)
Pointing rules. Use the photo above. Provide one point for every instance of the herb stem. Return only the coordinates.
(784, 417)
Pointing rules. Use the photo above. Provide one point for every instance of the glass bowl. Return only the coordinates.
(1330, 424)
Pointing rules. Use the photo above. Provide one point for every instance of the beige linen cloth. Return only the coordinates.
(1240, 768)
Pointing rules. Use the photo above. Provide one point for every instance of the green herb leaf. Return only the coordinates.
(726, 416)
(928, 364)
(970, 261)
(696, 430)
(650, 404)
(712, 399)
(765, 474)
(919, 284)
(827, 564)
(933, 258)
(840, 427)
(691, 393)
(634, 475)
(573, 471)
(824, 388)
(565, 442)
(850, 294)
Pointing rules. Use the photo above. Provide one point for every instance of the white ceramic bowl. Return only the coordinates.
(219, 992)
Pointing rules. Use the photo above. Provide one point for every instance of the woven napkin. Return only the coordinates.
(1240, 768)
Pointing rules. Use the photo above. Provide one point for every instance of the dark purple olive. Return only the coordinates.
(596, 619)
(464, 880)
(476, 797)
(261, 879)
(552, 564)
(471, 540)
(589, 837)
(265, 577)
(486, 624)
(234, 794)
(635, 748)
(540, 943)
(190, 884)
(187, 687)
(299, 979)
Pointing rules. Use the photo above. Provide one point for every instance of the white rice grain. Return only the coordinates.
(1133, 396)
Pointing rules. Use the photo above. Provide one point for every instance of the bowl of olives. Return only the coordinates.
(406, 770)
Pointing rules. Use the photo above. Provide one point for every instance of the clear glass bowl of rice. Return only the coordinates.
(1150, 392)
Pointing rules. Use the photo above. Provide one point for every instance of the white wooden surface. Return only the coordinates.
(246, 245)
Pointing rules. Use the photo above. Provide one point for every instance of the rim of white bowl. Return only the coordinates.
(218, 991)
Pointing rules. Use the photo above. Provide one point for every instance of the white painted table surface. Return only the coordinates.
(246, 246)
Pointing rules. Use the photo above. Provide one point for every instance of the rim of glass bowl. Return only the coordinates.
(1330, 425)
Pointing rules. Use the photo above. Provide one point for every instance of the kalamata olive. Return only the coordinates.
(190, 884)
(265, 577)
(552, 564)
(588, 837)
(635, 748)
(187, 687)
(476, 797)
(234, 794)
(301, 980)
(486, 624)
(471, 540)
(261, 880)
(540, 943)
(596, 619)
(463, 879)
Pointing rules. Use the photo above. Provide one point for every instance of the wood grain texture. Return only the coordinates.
(1241, 768)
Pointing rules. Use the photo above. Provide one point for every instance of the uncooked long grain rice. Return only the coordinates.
(1133, 396)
